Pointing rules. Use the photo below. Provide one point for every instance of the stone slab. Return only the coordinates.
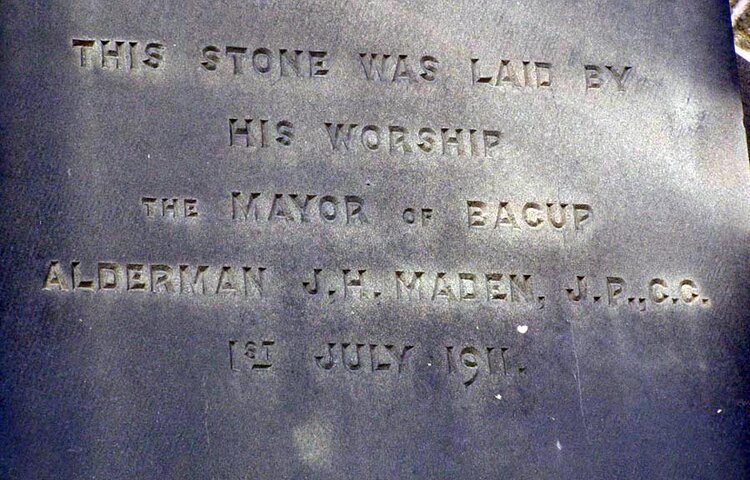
(339, 239)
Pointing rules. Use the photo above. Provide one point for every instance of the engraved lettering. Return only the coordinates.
(506, 215)
(55, 279)
(403, 140)
(615, 288)
(516, 74)
(158, 278)
(398, 68)
(405, 288)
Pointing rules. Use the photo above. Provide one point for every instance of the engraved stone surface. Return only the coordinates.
(349, 239)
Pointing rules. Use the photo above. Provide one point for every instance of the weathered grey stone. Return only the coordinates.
(559, 290)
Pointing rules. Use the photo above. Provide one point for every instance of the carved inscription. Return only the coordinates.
(346, 210)
(170, 207)
(250, 355)
(298, 208)
(156, 278)
(533, 215)
(614, 291)
(599, 77)
(513, 73)
(507, 288)
(399, 287)
(467, 364)
(123, 55)
(403, 140)
(260, 133)
(464, 286)
(399, 68)
(258, 62)
(370, 357)
(263, 61)
(418, 216)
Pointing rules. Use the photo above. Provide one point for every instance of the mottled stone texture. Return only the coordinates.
(531, 263)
